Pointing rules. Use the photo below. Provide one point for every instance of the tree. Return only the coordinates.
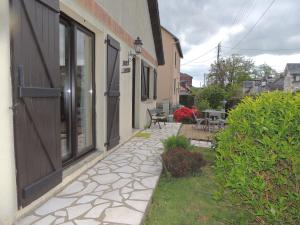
(264, 71)
(232, 70)
(210, 97)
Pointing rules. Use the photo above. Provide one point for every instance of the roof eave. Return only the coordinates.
(155, 23)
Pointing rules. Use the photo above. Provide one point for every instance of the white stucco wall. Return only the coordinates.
(8, 191)
(133, 16)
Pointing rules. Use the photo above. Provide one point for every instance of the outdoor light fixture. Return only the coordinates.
(137, 50)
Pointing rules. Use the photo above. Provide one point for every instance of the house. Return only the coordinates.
(292, 77)
(186, 82)
(77, 77)
(168, 80)
(289, 80)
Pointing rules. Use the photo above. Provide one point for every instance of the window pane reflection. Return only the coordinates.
(84, 96)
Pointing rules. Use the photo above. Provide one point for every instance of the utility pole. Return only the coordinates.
(219, 53)
(219, 64)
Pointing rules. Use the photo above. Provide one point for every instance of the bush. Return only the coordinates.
(177, 141)
(258, 157)
(212, 94)
(179, 162)
(184, 115)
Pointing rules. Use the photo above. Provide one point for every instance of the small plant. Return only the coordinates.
(179, 162)
(142, 134)
(177, 141)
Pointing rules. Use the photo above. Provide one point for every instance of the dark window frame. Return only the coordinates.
(74, 26)
(295, 76)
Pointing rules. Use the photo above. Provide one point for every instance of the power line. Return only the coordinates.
(252, 28)
(199, 56)
(267, 50)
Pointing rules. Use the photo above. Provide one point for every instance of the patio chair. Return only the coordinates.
(199, 121)
(157, 117)
(214, 121)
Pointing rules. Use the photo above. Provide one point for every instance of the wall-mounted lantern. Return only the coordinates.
(137, 51)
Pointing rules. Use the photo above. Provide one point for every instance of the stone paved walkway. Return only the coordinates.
(116, 190)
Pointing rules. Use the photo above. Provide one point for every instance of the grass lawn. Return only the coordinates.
(189, 200)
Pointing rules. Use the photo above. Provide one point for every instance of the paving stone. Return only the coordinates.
(126, 190)
(28, 220)
(122, 215)
(86, 199)
(100, 201)
(106, 179)
(126, 169)
(53, 205)
(87, 222)
(113, 195)
(60, 213)
(90, 187)
(150, 182)
(139, 205)
(141, 195)
(67, 223)
(120, 183)
(97, 211)
(46, 220)
(102, 188)
(59, 220)
(75, 211)
(72, 188)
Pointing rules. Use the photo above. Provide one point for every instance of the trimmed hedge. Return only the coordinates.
(258, 157)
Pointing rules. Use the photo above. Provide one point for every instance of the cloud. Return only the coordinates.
(201, 24)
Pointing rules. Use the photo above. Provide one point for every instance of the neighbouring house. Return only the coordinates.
(289, 80)
(292, 77)
(186, 82)
(76, 80)
(168, 80)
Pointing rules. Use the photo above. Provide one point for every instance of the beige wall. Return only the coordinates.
(169, 72)
(8, 192)
(132, 16)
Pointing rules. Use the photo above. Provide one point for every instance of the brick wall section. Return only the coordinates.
(100, 13)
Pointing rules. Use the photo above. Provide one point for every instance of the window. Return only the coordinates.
(145, 80)
(77, 83)
(148, 82)
(174, 86)
(175, 59)
(296, 77)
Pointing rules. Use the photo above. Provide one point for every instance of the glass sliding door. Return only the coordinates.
(77, 89)
(65, 109)
(84, 88)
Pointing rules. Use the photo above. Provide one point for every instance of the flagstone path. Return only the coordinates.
(117, 190)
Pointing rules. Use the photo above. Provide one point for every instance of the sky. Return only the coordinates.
(268, 31)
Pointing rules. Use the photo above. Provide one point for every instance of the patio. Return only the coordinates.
(116, 190)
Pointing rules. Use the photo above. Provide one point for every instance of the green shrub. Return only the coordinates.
(177, 141)
(213, 95)
(179, 162)
(202, 104)
(258, 157)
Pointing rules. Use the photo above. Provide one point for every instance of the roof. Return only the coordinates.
(185, 75)
(155, 23)
(293, 67)
(177, 41)
(278, 84)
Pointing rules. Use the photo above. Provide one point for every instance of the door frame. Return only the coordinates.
(133, 90)
(74, 25)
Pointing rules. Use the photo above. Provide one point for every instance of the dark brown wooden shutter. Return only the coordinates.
(155, 85)
(144, 90)
(35, 80)
(113, 92)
